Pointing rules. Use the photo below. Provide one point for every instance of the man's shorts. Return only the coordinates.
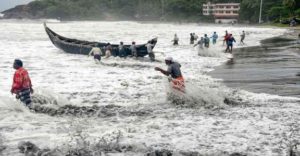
(97, 57)
(24, 96)
(178, 84)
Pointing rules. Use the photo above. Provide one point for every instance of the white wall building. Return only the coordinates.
(222, 12)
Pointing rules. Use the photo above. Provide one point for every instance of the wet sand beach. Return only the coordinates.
(269, 68)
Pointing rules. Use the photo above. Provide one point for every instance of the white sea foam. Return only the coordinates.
(258, 123)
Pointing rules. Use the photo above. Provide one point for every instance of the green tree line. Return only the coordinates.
(186, 10)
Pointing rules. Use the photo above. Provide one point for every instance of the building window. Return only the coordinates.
(205, 7)
(211, 7)
(228, 7)
(221, 7)
(221, 12)
(236, 7)
(235, 12)
(227, 12)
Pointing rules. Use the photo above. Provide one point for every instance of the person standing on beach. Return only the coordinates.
(21, 86)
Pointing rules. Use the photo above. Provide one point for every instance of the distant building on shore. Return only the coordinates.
(222, 12)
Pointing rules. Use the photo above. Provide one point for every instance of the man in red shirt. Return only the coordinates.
(22, 86)
(226, 38)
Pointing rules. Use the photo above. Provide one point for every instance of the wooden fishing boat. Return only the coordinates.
(75, 46)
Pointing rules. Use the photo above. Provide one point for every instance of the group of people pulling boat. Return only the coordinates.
(122, 51)
(22, 85)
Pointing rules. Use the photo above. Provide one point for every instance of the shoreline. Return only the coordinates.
(297, 28)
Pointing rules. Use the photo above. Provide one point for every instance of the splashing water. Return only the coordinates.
(47, 97)
(129, 96)
(210, 53)
(196, 96)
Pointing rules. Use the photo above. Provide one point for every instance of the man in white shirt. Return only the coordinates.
(149, 50)
(96, 52)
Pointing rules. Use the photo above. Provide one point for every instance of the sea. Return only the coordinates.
(121, 107)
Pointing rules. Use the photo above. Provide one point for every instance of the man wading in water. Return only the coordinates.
(133, 49)
(22, 86)
(150, 46)
(192, 38)
(108, 50)
(206, 41)
(175, 72)
(175, 40)
(230, 41)
(96, 52)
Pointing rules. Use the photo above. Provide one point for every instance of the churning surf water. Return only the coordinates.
(120, 107)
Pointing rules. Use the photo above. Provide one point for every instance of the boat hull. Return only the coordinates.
(75, 46)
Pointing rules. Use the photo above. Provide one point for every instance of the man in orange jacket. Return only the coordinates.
(175, 72)
(22, 86)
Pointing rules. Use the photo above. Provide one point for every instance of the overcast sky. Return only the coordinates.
(7, 4)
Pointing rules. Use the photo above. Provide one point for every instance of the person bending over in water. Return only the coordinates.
(175, 72)
(200, 43)
(96, 52)
(22, 86)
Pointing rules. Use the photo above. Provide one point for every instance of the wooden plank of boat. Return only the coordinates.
(75, 46)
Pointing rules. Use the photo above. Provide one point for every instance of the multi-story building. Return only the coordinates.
(222, 12)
